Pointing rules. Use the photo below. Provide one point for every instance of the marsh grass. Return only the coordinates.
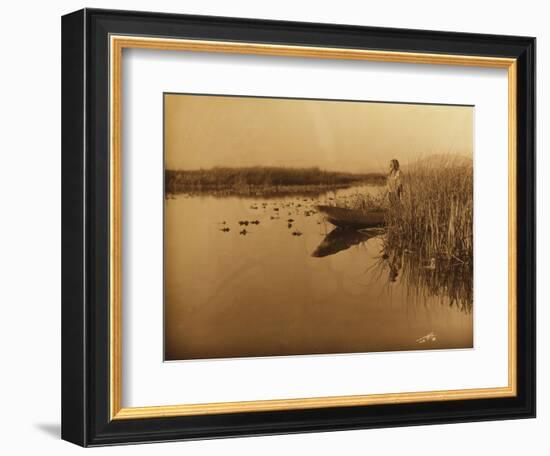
(435, 215)
(434, 218)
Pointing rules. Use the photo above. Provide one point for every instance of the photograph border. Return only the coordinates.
(93, 41)
(263, 97)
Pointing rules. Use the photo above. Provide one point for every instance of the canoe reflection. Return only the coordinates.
(341, 239)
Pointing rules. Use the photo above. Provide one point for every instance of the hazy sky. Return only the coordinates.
(207, 131)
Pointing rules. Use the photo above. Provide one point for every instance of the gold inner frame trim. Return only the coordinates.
(117, 44)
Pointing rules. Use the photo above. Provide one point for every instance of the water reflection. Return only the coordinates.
(447, 279)
(267, 277)
(341, 239)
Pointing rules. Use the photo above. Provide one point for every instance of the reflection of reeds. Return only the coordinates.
(261, 180)
(448, 280)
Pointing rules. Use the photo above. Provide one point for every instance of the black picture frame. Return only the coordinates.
(85, 228)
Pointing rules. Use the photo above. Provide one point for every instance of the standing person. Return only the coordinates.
(394, 184)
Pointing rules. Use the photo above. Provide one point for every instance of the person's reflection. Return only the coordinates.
(395, 263)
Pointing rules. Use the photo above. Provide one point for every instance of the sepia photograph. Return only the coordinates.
(316, 226)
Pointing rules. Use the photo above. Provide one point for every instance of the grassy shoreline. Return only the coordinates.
(263, 181)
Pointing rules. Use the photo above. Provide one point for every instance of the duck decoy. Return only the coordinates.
(431, 266)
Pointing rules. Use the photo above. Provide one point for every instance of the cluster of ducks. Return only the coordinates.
(275, 209)
(295, 232)
(279, 206)
(244, 231)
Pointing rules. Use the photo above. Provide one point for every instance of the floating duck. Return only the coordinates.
(431, 265)
(244, 232)
(290, 220)
(296, 233)
(226, 229)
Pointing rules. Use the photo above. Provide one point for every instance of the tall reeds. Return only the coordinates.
(435, 215)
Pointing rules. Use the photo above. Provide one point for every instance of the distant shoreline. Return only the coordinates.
(263, 181)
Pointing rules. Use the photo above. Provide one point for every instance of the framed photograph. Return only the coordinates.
(278, 227)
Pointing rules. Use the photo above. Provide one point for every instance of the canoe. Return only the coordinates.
(351, 218)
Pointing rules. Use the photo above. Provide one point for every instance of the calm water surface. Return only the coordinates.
(271, 292)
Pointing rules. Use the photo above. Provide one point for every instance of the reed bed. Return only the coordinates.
(435, 215)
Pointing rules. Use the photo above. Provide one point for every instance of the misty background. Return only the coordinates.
(203, 131)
